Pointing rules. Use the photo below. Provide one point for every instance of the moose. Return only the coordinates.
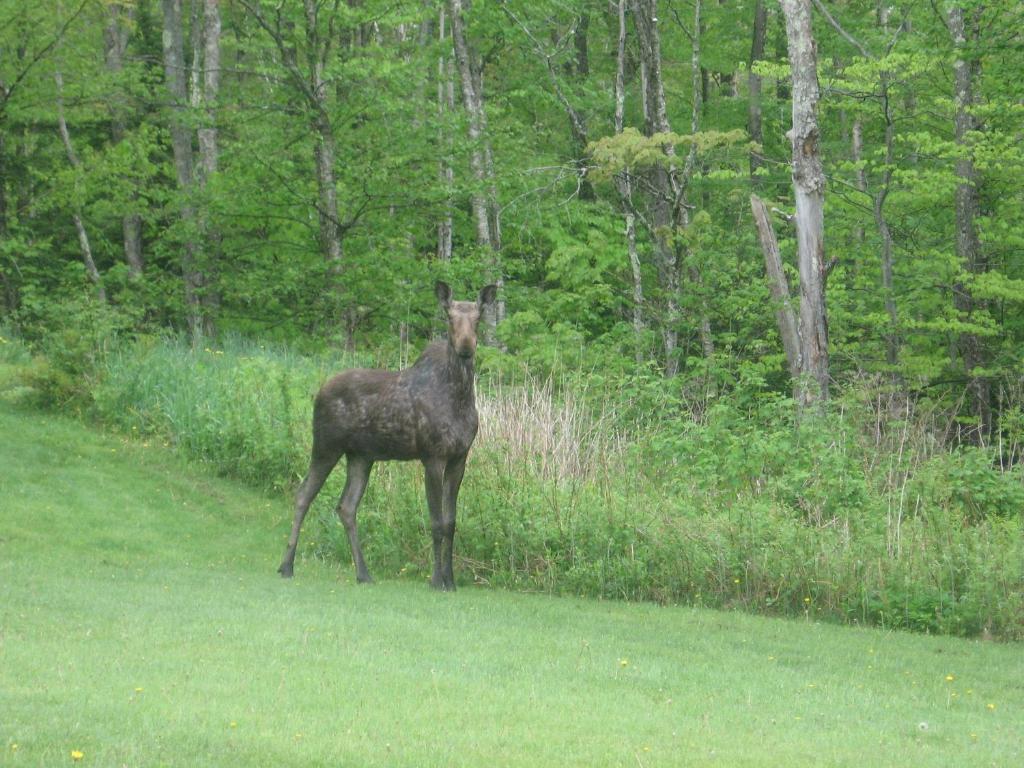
(425, 412)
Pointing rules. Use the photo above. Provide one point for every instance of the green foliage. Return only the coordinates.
(586, 488)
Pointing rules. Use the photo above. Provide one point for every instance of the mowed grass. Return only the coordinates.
(142, 624)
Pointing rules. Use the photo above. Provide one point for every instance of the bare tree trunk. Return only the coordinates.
(445, 105)
(754, 86)
(207, 86)
(83, 236)
(324, 151)
(115, 36)
(484, 200)
(809, 193)
(181, 144)
(624, 186)
(778, 285)
(968, 243)
(892, 337)
(663, 181)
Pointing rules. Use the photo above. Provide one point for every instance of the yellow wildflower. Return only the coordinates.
(77, 754)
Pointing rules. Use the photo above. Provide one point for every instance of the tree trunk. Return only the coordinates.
(892, 337)
(181, 145)
(324, 150)
(83, 236)
(754, 86)
(778, 285)
(968, 243)
(445, 106)
(664, 182)
(809, 193)
(208, 87)
(624, 186)
(115, 37)
(484, 200)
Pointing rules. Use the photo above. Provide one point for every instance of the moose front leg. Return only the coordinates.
(453, 473)
(434, 480)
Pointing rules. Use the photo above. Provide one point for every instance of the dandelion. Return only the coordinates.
(138, 690)
(807, 600)
(623, 662)
(949, 678)
(77, 754)
(14, 747)
(990, 707)
(234, 724)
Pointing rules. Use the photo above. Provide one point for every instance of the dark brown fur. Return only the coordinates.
(425, 412)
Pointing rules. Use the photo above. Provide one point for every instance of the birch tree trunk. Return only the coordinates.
(809, 193)
(207, 88)
(968, 244)
(445, 106)
(83, 236)
(484, 199)
(624, 186)
(181, 145)
(754, 87)
(115, 37)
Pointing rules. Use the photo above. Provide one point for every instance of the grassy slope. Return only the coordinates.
(142, 623)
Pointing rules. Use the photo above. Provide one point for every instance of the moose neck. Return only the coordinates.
(460, 373)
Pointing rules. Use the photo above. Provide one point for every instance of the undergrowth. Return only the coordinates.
(859, 515)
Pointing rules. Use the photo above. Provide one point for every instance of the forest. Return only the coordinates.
(762, 264)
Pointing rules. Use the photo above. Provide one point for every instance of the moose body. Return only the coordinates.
(425, 412)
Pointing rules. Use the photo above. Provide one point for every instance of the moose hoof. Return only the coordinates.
(285, 571)
(364, 579)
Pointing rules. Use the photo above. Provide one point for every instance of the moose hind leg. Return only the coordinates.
(355, 484)
(319, 469)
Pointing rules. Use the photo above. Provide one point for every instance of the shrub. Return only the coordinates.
(571, 489)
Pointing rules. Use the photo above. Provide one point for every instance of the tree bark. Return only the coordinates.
(778, 285)
(664, 181)
(83, 236)
(484, 200)
(181, 145)
(624, 186)
(809, 193)
(115, 37)
(207, 88)
(445, 106)
(754, 87)
(968, 243)
(324, 149)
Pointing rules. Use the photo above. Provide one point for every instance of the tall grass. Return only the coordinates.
(861, 515)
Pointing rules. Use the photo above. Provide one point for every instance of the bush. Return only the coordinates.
(571, 489)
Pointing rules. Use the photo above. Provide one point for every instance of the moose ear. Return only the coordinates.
(443, 293)
(488, 295)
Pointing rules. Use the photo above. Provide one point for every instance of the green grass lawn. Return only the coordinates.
(142, 624)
